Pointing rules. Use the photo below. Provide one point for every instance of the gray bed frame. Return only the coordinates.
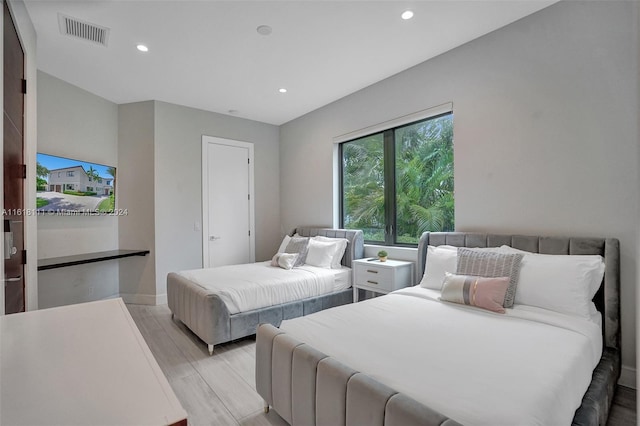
(306, 387)
(204, 313)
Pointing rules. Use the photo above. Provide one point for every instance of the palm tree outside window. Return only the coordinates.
(398, 183)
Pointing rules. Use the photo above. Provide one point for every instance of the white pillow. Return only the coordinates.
(283, 245)
(284, 260)
(440, 260)
(320, 253)
(560, 283)
(341, 247)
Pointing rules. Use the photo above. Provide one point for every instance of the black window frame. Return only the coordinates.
(389, 152)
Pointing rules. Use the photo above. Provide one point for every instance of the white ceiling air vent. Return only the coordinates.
(84, 30)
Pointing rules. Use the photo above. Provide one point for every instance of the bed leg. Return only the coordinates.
(210, 349)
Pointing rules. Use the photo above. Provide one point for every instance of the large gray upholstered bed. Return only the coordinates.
(205, 312)
(304, 385)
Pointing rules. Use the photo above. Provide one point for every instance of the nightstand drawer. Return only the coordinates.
(374, 276)
(381, 277)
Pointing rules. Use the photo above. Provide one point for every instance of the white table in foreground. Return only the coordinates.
(79, 365)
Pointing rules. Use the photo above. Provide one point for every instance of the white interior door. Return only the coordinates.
(228, 219)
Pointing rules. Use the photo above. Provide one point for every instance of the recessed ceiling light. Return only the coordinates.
(142, 48)
(264, 30)
(407, 14)
(282, 90)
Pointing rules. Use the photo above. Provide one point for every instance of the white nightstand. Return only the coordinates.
(381, 277)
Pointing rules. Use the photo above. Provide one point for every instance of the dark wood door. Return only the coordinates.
(14, 255)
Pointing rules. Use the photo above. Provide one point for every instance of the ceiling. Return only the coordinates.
(208, 54)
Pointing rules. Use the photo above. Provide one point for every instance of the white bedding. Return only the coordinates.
(529, 366)
(256, 285)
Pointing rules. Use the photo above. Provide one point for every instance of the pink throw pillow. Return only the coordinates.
(486, 293)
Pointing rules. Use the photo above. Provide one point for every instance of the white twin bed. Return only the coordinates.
(228, 302)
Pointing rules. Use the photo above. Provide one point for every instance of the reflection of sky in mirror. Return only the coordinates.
(51, 162)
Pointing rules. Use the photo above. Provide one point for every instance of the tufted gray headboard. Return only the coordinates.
(355, 245)
(607, 299)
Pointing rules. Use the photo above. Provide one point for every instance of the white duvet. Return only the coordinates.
(256, 285)
(529, 366)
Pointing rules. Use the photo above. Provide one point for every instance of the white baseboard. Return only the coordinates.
(161, 299)
(113, 296)
(627, 377)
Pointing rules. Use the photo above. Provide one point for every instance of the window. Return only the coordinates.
(70, 174)
(398, 183)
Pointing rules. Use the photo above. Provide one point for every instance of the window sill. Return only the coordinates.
(395, 252)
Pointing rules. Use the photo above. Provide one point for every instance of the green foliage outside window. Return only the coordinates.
(363, 186)
(422, 179)
(41, 173)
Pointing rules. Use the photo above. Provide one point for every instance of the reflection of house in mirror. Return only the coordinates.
(76, 179)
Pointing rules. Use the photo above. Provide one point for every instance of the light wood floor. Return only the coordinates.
(220, 389)
(623, 410)
(214, 390)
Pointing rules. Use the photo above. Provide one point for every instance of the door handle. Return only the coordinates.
(12, 280)
(8, 240)
(213, 238)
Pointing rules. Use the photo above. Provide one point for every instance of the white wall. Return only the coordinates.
(135, 189)
(76, 124)
(178, 184)
(545, 132)
(156, 148)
